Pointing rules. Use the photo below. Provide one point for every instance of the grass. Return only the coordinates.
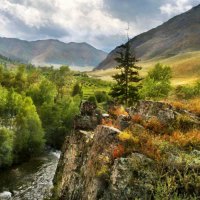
(91, 85)
(193, 105)
(185, 67)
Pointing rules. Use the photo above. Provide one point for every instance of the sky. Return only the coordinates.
(101, 23)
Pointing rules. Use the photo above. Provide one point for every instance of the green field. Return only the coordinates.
(91, 85)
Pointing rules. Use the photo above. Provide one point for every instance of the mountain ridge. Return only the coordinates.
(178, 35)
(51, 51)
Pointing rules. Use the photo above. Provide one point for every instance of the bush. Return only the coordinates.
(101, 96)
(187, 91)
(157, 83)
(77, 90)
(92, 99)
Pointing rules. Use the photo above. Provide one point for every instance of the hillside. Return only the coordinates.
(185, 68)
(52, 52)
(178, 35)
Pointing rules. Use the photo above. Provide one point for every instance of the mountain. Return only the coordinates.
(51, 52)
(179, 35)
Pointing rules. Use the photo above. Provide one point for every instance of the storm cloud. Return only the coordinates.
(101, 23)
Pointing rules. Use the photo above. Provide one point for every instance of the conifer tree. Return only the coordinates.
(126, 89)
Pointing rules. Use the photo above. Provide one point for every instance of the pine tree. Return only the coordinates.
(126, 89)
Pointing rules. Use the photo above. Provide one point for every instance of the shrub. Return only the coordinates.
(107, 122)
(137, 118)
(103, 172)
(157, 83)
(101, 96)
(92, 99)
(154, 125)
(188, 91)
(115, 111)
(186, 140)
(128, 137)
(77, 90)
(118, 151)
(185, 123)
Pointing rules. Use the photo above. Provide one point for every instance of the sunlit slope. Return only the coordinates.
(185, 68)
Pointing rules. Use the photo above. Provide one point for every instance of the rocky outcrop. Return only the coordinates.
(89, 118)
(168, 116)
(88, 170)
(95, 166)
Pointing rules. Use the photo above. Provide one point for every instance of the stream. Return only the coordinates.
(31, 180)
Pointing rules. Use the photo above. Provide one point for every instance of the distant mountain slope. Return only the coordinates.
(178, 35)
(44, 52)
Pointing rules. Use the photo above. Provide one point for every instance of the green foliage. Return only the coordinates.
(38, 105)
(101, 96)
(91, 85)
(6, 147)
(157, 83)
(77, 90)
(57, 119)
(29, 133)
(62, 78)
(127, 87)
(20, 82)
(42, 92)
(187, 91)
(92, 99)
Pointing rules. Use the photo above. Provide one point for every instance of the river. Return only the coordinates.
(31, 180)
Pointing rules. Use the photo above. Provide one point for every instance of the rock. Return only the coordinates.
(131, 178)
(122, 122)
(89, 118)
(5, 195)
(105, 115)
(87, 108)
(90, 169)
(168, 116)
(76, 173)
(86, 122)
(137, 128)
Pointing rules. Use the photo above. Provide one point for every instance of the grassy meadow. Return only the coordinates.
(185, 68)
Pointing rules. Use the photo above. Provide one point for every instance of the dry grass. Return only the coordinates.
(156, 146)
(154, 125)
(192, 105)
(185, 67)
(184, 140)
(117, 111)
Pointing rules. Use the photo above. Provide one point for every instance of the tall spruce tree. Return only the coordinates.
(126, 89)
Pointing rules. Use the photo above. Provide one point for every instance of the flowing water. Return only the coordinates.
(31, 180)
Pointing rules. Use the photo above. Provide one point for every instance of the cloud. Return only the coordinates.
(176, 7)
(102, 23)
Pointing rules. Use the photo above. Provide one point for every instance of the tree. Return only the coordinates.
(77, 90)
(45, 91)
(6, 147)
(20, 81)
(157, 83)
(127, 86)
(63, 79)
(29, 133)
